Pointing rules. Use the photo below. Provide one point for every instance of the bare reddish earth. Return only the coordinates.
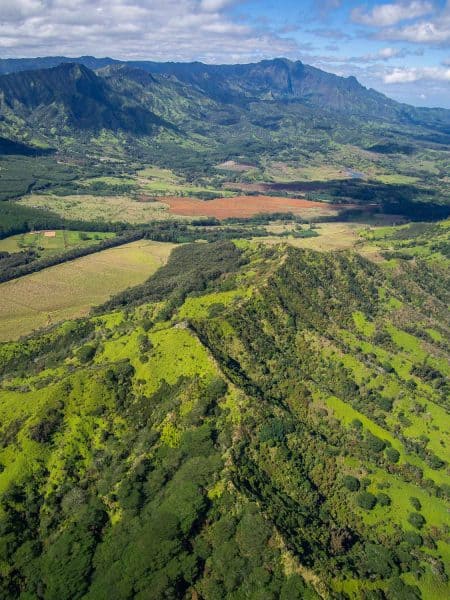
(244, 206)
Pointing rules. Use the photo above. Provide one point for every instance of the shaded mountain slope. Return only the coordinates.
(72, 94)
(276, 79)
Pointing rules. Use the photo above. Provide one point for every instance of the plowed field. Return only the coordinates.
(245, 206)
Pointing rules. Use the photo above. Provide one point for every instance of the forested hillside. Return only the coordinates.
(253, 422)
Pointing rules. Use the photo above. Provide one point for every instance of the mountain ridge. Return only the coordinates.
(85, 99)
(180, 69)
(242, 410)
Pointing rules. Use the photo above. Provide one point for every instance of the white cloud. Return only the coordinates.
(385, 15)
(215, 5)
(411, 75)
(387, 53)
(420, 33)
(383, 54)
(403, 22)
(131, 29)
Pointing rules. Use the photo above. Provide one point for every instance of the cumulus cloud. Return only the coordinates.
(383, 54)
(426, 32)
(130, 29)
(384, 15)
(418, 22)
(411, 75)
(387, 53)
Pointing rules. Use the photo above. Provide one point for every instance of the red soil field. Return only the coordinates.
(244, 206)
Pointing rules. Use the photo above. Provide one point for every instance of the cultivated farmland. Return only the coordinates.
(247, 206)
(69, 290)
(51, 242)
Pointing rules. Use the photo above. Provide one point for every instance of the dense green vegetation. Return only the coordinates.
(253, 421)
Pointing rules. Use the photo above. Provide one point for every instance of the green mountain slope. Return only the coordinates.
(253, 422)
(273, 79)
(71, 95)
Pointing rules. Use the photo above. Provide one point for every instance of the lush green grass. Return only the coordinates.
(47, 245)
(197, 308)
(305, 342)
(423, 240)
(164, 182)
(366, 327)
(347, 414)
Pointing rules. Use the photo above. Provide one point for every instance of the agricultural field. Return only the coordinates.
(48, 243)
(156, 181)
(69, 290)
(247, 206)
(104, 208)
(288, 172)
(145, 209)
(331, 236)
(340, 235)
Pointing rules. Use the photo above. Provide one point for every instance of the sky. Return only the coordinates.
(399, 47)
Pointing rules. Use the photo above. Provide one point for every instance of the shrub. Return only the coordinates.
(392, 455)
(435, 462)
(374, 443)
(413, 539)
(388, 367)
(216, 309)
(351, 483)
(378, 560)
(385, 403)
(273, 432)
(383, 499)
(86, 353)
(43, 431)
(147, 324)
(366, 500)
(416, 520)
(415, 503)
(398, 590)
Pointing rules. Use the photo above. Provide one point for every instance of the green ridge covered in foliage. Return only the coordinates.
(253, 422)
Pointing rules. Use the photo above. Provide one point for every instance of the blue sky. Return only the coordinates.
(400, 47)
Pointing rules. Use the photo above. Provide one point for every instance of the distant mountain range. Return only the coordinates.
(51, 79)
(202, 112)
